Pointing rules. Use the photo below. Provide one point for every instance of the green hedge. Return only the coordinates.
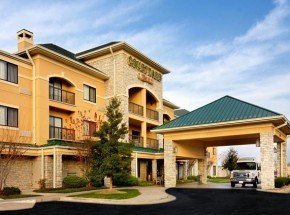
(281, 181)
(125, 180)
(74, 181)
(7, 191)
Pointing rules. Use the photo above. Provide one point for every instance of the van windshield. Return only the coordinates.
(246, 166)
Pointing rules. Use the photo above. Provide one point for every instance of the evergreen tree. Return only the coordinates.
(230, 160)
(110, 156)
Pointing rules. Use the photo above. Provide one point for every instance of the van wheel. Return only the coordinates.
(255, 183)
(233, 184)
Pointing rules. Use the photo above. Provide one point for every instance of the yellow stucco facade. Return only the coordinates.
(59, 98)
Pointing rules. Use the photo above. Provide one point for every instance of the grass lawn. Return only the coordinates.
(184, 181)
(219, 180)
(111, 194)
(18, 196)
(66, 190)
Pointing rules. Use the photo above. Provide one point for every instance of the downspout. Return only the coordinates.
(114, 70)
(33, 98)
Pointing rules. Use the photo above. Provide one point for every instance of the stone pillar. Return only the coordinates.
(278, 164)
(48, 171)
(185, 167)
(267, 160)
(202, 168)
(154, 170)
(58, 176)
(169, 164)
(134, 165)
(284, 159)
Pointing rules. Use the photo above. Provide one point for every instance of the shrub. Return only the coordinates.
(125, 180)
(7, 191)
(287, 181)
(96, 181)
(193, 177)
(74, 181)
(280, 182)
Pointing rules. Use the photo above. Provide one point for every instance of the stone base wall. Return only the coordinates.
(21, 174)
(71, 166)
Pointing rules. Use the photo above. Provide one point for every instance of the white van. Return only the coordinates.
(247, 171)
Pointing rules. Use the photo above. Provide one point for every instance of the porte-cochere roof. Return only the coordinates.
(225, 109)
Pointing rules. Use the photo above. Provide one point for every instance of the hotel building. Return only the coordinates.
(52, 98)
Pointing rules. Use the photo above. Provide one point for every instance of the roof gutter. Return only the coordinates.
(33, 98)
(185, 128)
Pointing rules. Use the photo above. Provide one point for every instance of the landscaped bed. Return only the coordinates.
(111, 194)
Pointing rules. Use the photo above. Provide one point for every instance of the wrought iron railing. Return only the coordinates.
(61, 133)
(58, 94)
(136, 109)
(137, 140)
(152, 114)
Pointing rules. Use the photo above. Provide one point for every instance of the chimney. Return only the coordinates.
(24, 39)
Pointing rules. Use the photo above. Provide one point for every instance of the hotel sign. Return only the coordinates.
(147, 73)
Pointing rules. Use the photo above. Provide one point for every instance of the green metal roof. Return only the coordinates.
(225, 109)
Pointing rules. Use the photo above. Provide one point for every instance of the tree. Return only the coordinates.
(110, 156)
(230, 160)
(11, 150)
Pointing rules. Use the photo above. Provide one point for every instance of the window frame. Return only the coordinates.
(9, 77)
(91, 129)
(90, 89)
(7, 122)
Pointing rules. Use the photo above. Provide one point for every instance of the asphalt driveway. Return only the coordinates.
(188, 201)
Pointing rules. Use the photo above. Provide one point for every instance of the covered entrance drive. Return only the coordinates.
(225, 122)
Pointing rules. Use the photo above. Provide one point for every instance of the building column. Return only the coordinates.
(267, 160)
(278, 164)
(284, 159)
(202, 168)
(144, 133)
(59, 176)
(154, 170)
(185, 167)
(48, 171)
(134, 165)
(169, 164)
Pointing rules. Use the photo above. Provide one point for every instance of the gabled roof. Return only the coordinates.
(225, 109)
(111, 47)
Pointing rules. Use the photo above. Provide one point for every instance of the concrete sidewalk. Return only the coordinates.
(149, 195)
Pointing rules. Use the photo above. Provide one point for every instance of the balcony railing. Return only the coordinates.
(137, 140)
(135, 109)
(61, 133)
(152, 114)
(60, 95)
(152, 143)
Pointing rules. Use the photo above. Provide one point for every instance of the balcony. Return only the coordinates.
(136, 109)
(152, 114)
(61, 133)
(152, 143)
(60, 95)
(137, 140)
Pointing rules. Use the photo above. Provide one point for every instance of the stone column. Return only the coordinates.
(154, 170)
(267, 160)
(284, 159)
(58, 177)
(48, 171)
(202, 168)
(169, 164)
(185, 167)
(278, 164)
(134, 165)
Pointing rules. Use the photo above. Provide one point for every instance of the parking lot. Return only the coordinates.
(212, 199)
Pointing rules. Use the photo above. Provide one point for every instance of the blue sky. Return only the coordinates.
(212, 47)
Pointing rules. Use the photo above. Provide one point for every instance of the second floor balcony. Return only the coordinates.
(152, 114)
(137, 140)
(152, 143)
(61, 133)
(60, 95)
(136, 109)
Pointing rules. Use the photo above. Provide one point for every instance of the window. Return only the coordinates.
(8, 72)
(8, 116)
(55, 127)
(89, 93)
(55, 89)
(89, 128)
(214, 151)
